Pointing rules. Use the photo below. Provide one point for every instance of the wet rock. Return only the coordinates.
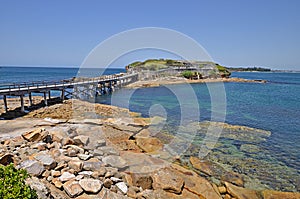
(115, 161)
(72, 188)
(270, 194)
(122, 187)
(167, 180)
(249, 148)
(91, 185)
(6, 159)
(35, 135)
(33, 167)
(233, 178)
(149, 144)
(81, 140)
(46, 160)
(202, 165)
(41, 190)
(241, 193)
(76, 165)
(66, 176)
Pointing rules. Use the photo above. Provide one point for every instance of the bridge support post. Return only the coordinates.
(45, 99)
(5, 103)
(30, 99)
(62, 96)
(49, 94)
(22, 103)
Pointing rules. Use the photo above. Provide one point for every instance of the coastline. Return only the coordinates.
(130, 142)
(179, 80)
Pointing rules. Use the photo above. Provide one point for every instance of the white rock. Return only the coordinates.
(122, 187)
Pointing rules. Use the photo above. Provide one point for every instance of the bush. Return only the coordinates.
(12, 183)
(188, 74)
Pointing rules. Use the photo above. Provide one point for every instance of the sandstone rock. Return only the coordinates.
(240, 192)
(108, 194)
(58, 136)
(6, 159)
(114, 179)
(131, 192)
(66, 176)
(46, 160)
(107, 150)
(74, 147)
(67, 141)
(91, 185)
(122, 187)
(142, 180)
(115, 161)
(149, 144)
(83, 156)
(55, 173)
(233, 178)
(145, 133)
(202, 165)
(270, 194)
(163, 194)
(33, 167)
(76, 165)
(196, 184)
(168, 180)
(81, 140)
(92, 166)
(72, 188)
(57, 183)
(101, 143)
(41, 190)
(35, 135)
(222, 190)
(107, 183)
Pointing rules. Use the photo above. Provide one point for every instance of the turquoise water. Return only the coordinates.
(274, 106)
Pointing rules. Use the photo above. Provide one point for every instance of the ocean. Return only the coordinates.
(273, 162)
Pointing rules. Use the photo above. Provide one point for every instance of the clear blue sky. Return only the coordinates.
(234, 32)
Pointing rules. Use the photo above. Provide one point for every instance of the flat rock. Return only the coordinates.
(76, 165)
(167, 180)
(195, 183)
(33, 167)
(46, 160)
(81, 139)
(150, 144)
(270, 194)
(115, 161)
(240, 192)
(66, 176)
(35, 135)
(91, 185)
(72, 188)
(122, 187)
(142, 180)
(107, 150)
(92, 166)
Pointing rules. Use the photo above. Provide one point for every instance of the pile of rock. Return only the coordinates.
(111, 159)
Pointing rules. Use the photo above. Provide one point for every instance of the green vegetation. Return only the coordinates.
(240, 69)
(12, 183)
(223, 71)
(191, 74)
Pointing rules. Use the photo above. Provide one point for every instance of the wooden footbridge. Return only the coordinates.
(76, 87)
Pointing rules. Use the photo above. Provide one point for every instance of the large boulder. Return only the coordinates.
(240, 192)
(72, 188)
(35, 135)
(168, 180)
(91, 185)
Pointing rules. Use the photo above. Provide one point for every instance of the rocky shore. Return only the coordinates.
(110, 155)
(180, 80)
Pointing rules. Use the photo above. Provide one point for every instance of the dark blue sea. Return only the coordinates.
(273, 106)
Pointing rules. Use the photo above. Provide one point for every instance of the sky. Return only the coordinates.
(233, 32)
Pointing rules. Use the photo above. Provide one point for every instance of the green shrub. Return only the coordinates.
(12, 183)
(187, 74)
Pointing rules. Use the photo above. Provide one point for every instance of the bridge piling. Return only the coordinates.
(5, 103)
(22, 103)
(45, 99)
(30, 99)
